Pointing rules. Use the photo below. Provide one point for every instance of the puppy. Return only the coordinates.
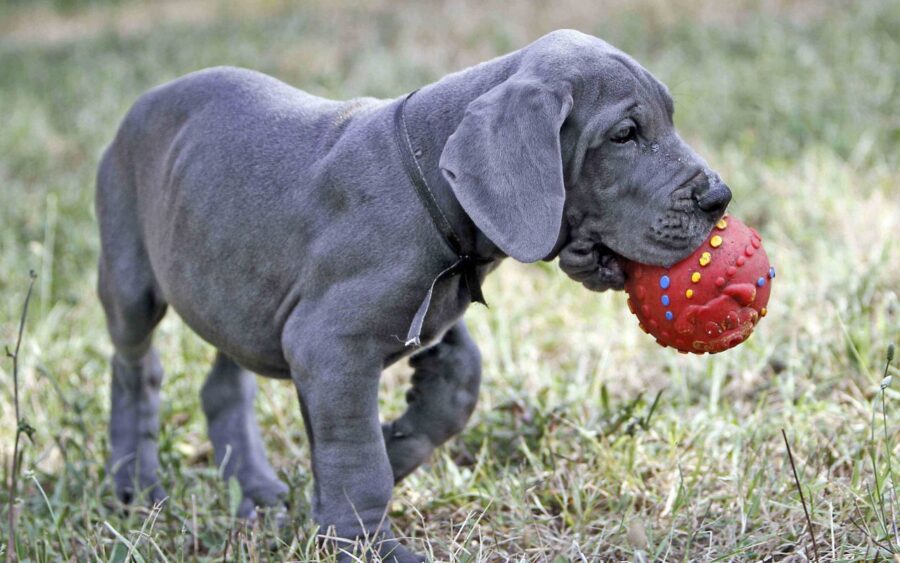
(308, 239)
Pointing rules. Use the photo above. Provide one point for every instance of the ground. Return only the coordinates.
(590, 442)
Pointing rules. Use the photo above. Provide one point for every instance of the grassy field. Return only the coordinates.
(796, 104)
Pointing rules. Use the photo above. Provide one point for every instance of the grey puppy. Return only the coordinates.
(284, 230)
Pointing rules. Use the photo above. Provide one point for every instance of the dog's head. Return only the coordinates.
(575, 154)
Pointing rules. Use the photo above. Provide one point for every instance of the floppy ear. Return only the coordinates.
(504, 164)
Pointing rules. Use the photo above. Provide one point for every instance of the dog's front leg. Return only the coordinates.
(337, 383)
(441, 400)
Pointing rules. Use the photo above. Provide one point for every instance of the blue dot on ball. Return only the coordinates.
(665, 300)
(664, 282)
(772, 271)
(669, 315)
(761, 282)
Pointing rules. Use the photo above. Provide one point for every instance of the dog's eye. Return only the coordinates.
(624, 133)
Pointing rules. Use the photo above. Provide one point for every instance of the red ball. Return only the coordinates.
(711, 300)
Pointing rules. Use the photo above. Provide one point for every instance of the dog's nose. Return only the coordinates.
(712, 198)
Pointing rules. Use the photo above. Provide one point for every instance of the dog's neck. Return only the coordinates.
(432, 115)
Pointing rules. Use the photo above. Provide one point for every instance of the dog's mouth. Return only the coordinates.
(594, 265)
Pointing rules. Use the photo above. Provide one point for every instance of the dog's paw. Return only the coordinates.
(387, 550)
(278, 515)
(268, 496)
(593, 265)
(141, 490)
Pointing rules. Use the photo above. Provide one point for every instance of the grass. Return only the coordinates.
(589, 443)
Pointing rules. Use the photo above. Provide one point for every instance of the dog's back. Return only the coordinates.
(218, 151)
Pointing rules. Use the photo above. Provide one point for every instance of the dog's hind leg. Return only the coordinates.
(133, 307)
(227, 398)
(443, 395)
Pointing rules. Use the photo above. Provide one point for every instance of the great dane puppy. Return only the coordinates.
(285, 231)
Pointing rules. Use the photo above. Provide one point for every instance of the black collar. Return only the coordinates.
(466, 260)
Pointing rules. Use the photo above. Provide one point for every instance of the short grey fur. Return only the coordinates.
(282, 228)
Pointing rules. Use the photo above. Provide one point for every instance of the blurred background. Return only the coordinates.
(590, 442)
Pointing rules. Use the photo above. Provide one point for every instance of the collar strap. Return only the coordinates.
(466, 261)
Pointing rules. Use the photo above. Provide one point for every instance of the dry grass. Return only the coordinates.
(795, 103)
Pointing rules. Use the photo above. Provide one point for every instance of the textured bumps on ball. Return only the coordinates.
(711, 300)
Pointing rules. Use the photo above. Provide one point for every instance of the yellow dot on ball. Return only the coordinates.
(695, 277)
(689, 293)
(705, 258)
(722, 224)
(716, 241)
(763, 311)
